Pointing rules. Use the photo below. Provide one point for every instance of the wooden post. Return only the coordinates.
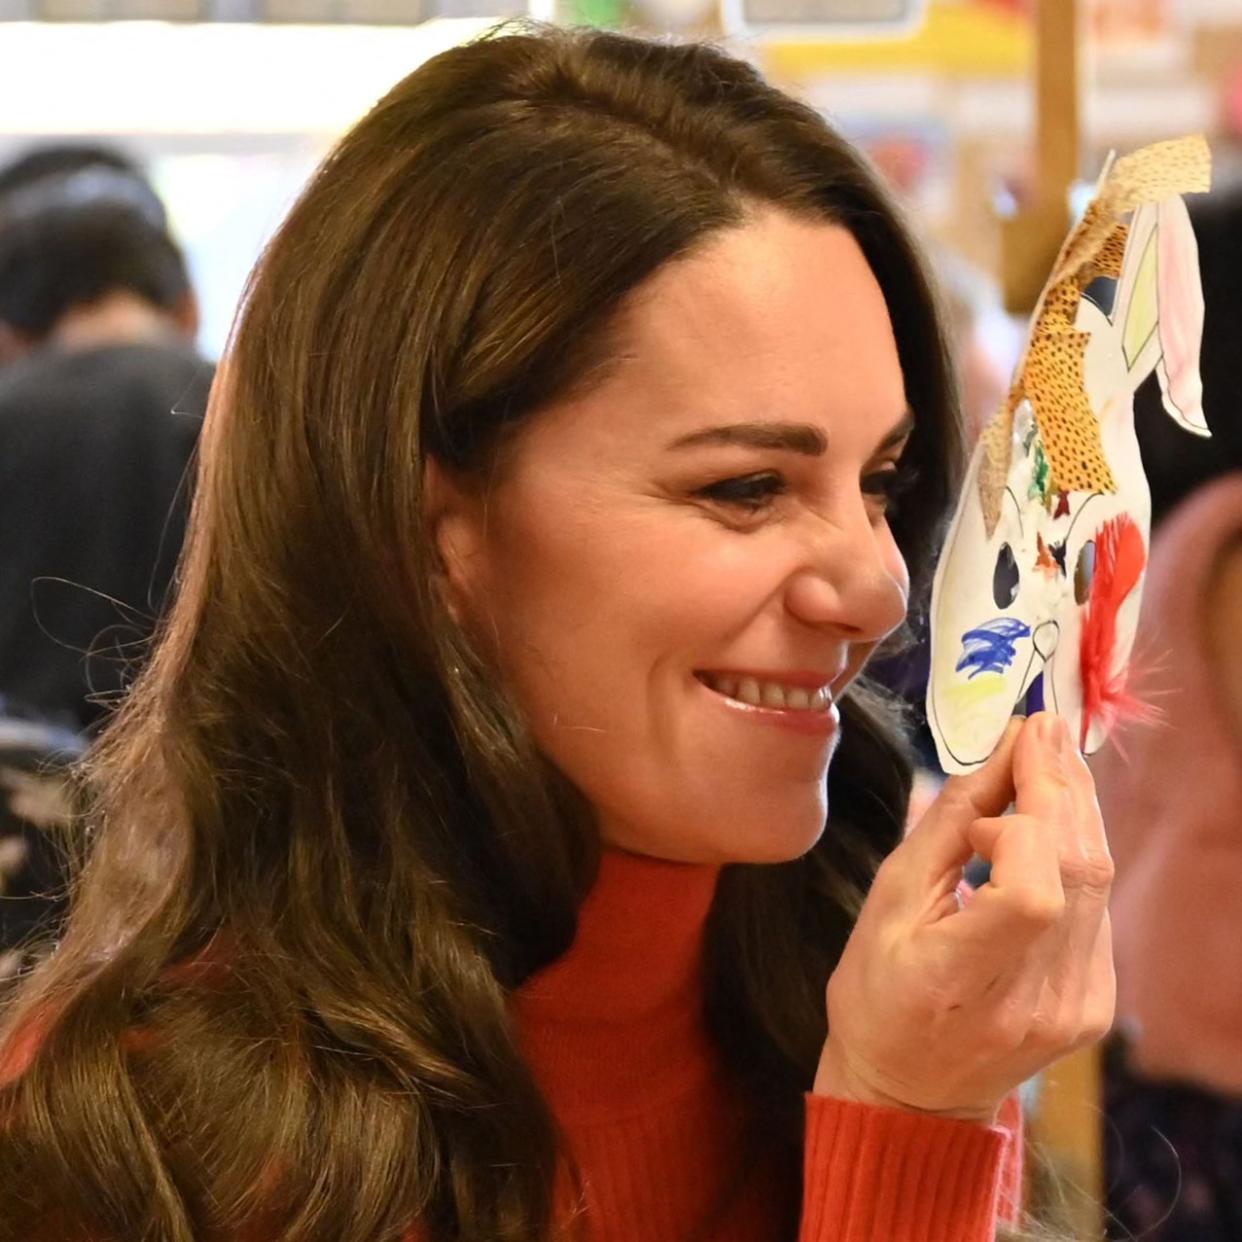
(1030, 240)
(1065, 1155)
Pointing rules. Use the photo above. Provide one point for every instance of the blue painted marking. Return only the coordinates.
(991, 647)
(1035, 696)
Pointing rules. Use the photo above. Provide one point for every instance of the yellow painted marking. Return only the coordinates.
(976, 689)
(1144, 309)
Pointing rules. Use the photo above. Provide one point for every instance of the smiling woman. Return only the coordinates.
(472, 861)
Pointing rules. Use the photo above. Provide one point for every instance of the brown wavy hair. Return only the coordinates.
(322, 846)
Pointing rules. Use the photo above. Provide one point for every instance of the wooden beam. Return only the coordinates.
(1030, 239)
(1065, 1142)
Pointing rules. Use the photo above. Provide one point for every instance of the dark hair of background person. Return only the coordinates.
(320, 784)
(1177, 463)
(57, 255)
(108, 167)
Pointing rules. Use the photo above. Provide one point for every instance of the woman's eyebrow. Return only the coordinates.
(795, 437)
(804, 438)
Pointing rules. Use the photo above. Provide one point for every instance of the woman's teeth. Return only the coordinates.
(770, 694)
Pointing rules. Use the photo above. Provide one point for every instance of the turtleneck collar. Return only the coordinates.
(617, 1022)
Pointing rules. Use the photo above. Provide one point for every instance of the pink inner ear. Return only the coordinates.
(1120, 558)
(1180, 312)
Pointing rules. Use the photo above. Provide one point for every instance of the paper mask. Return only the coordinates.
(1036, 595)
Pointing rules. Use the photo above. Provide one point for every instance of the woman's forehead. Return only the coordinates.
(777, 320)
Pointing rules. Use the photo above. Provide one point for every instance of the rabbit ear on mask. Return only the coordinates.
(1036, 594)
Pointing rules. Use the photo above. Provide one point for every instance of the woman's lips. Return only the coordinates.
(802, 702)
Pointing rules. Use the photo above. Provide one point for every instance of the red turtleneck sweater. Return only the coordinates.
(615, 1034)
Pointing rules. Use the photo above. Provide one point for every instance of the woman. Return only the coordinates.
(460, 866)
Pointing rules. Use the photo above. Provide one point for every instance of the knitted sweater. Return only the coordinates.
(615, 1034)
(663, 1138)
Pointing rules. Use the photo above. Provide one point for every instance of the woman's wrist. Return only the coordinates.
(836, 1079)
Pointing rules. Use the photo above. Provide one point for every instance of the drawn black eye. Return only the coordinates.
(1103, 292)
(1084, 572)
(1005, 577)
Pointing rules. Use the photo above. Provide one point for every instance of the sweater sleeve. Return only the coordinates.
(883, 1175)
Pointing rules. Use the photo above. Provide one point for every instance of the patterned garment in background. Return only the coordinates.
(33, 801)
(1174, 1158)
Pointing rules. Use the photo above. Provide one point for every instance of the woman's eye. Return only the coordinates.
(888, 486)
(750, 492)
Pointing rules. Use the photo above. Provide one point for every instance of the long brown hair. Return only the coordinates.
(322, 846)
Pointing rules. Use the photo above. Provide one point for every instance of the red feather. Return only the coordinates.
(1120, 558)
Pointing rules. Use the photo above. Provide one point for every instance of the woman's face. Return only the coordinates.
(684, 569)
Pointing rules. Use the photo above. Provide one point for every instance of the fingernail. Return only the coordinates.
(1050, 731)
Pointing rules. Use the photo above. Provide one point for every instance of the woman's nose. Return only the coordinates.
(855, 583)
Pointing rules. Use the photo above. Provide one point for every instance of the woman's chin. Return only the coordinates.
(757, 843)
(775, 848)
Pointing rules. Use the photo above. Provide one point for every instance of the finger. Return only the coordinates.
(1055, 757)
(1053, 785)
(1100, 1000)
(1078, 1009)
(939, 841)
(1070, 762)
(1019, 850)
(1051, 790)
(1040, 774)
(1076, 1001)
(1022, 904)
(1082, 974)
(1094, 832)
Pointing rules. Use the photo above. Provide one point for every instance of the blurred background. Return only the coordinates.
(229, 103)
(148, 148)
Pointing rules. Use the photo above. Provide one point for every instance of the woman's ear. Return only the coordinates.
(455, 522)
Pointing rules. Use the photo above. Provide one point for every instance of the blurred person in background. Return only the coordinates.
(101, 394)
(1171, 792)
(82, 171)
(985, 339)
(101, 398)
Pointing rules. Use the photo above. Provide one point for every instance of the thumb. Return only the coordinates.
(940, 840)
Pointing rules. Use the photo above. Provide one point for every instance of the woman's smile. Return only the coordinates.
(799, 701)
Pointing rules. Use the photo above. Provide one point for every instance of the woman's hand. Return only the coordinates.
(945, 1007)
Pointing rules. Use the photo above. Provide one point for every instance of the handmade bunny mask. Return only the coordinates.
(1037, 591)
